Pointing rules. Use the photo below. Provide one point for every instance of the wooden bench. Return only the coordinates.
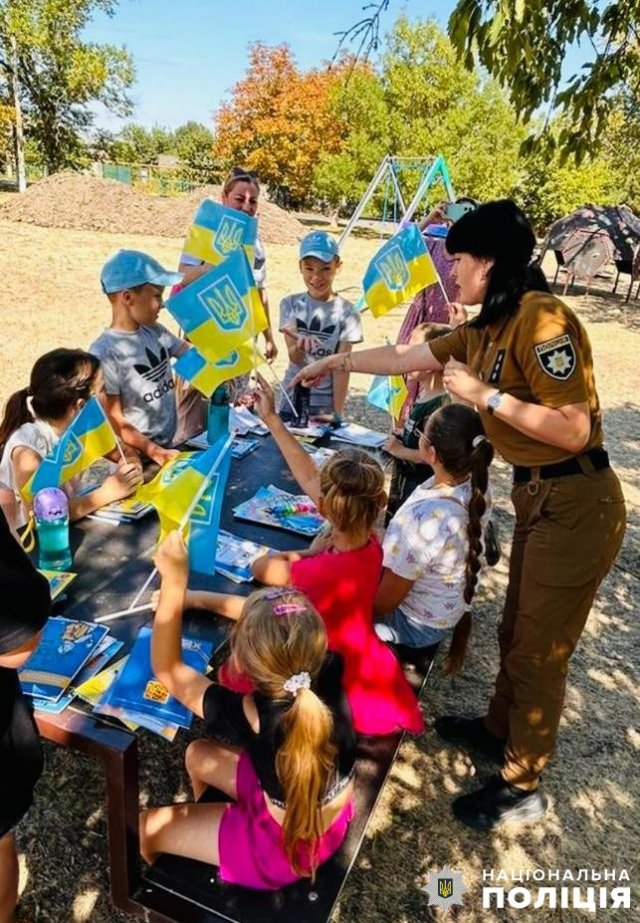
(182, 890)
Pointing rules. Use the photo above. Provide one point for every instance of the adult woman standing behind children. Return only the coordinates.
(318, 323)
(241, 192)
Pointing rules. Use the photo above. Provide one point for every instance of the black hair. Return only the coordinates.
(499, 231)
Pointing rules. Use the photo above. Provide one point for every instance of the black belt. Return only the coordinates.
(599, 459)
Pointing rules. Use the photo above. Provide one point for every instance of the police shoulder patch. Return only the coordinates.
(557, 357)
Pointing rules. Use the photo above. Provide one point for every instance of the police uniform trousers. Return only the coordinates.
(567, 534)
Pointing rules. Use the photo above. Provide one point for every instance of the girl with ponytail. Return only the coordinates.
(433, 547)
(290, 785)
(61, 383)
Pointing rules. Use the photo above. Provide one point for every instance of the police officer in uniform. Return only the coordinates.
(525, 362)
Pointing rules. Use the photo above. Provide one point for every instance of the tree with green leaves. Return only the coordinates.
(193, 144)
(59, 74)
(523, 44)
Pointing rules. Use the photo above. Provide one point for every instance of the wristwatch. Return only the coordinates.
(493, 401)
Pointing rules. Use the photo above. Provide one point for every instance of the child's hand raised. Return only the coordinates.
(264, 400)
(172, 559)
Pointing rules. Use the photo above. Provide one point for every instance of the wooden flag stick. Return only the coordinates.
(130, 611)
(282, 388)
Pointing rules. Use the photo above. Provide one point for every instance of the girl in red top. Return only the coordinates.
(339, 573)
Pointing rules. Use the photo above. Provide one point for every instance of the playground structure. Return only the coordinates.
(431, 170)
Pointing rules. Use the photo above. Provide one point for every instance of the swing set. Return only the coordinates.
(393, 173)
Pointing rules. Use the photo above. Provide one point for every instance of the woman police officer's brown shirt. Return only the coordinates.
(542, 355)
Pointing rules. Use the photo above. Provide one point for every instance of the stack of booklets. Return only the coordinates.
(136, 696)
(240, 446)
(127, 510)
(234, 556)
(59, 580)
(359, 435)
(274, 507)
(69, 652)
(242, 421)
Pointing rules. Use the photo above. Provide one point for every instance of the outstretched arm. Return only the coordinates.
(181, 680)
(383, 360)
(302, 467)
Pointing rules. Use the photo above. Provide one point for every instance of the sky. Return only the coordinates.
(189, 53)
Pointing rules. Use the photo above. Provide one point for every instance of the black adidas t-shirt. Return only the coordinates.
(24, 609)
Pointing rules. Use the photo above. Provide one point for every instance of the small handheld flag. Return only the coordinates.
(388, 392)
(206, 376)
(218, 231)
(220, 310)
(88, 437)
(401, 268)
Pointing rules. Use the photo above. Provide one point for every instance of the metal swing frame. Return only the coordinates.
(434, 169)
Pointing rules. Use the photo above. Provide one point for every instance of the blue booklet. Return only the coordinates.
(106, 650)
(137, 689)
(64, 649)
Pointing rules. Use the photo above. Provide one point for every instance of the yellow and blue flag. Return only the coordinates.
(218, 231)
(172, 492)
(88, 437)
(206, 376)
(220, 310)
(401, 268)
(388, 392)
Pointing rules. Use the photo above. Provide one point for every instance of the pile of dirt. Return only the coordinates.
(80, 202)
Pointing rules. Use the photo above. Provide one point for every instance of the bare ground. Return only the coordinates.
(50, 297)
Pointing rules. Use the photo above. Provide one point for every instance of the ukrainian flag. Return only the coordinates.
(173, 489)
(88, 437)
(206, 376)
(220, 310)
(218, 231)
(388, 392)
(401, 268)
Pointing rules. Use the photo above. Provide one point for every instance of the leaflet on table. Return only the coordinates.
(313, 430)
(59, 580)
(136, 689)
(63, 650)
(320, 454)
(127, 510)
(107, 649)
(242, 421)
(234, 556)
(274, 507)
(359, 435)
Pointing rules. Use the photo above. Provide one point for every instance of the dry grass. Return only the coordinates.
(50, 297)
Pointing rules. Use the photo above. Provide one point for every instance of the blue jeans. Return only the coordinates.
(398, 629)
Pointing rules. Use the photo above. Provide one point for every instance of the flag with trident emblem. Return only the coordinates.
(222, 309)
(401, 268)
(217, 232)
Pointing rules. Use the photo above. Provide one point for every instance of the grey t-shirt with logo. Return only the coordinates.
(136, 366)
(331, 323)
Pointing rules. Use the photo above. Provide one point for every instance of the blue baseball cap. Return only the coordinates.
(128, 268)
(321, 245)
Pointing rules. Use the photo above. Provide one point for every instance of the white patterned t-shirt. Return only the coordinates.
(427, 542)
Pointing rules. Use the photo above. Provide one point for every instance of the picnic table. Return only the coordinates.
(112, 561)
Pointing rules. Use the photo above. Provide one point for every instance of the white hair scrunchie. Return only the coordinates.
(477, 440)
(29, 403)
(296, 682)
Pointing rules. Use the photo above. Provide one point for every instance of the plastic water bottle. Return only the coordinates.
(51, 511)
(218, 420)
(302, 402)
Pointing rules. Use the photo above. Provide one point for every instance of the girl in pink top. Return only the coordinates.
(339, 573)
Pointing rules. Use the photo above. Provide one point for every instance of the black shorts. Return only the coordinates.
(21, 764)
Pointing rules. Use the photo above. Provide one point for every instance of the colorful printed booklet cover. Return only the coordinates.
(137, 689)
(59, 580)
(274, 507)
(64, 649)
(106, 650)
(359, 435)
(125, 510)
(234, 556)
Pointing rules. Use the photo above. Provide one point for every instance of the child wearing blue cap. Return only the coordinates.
(318, 323)
(135, 356)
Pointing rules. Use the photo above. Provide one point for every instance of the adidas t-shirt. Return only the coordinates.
(136, 366)
(330, 323)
